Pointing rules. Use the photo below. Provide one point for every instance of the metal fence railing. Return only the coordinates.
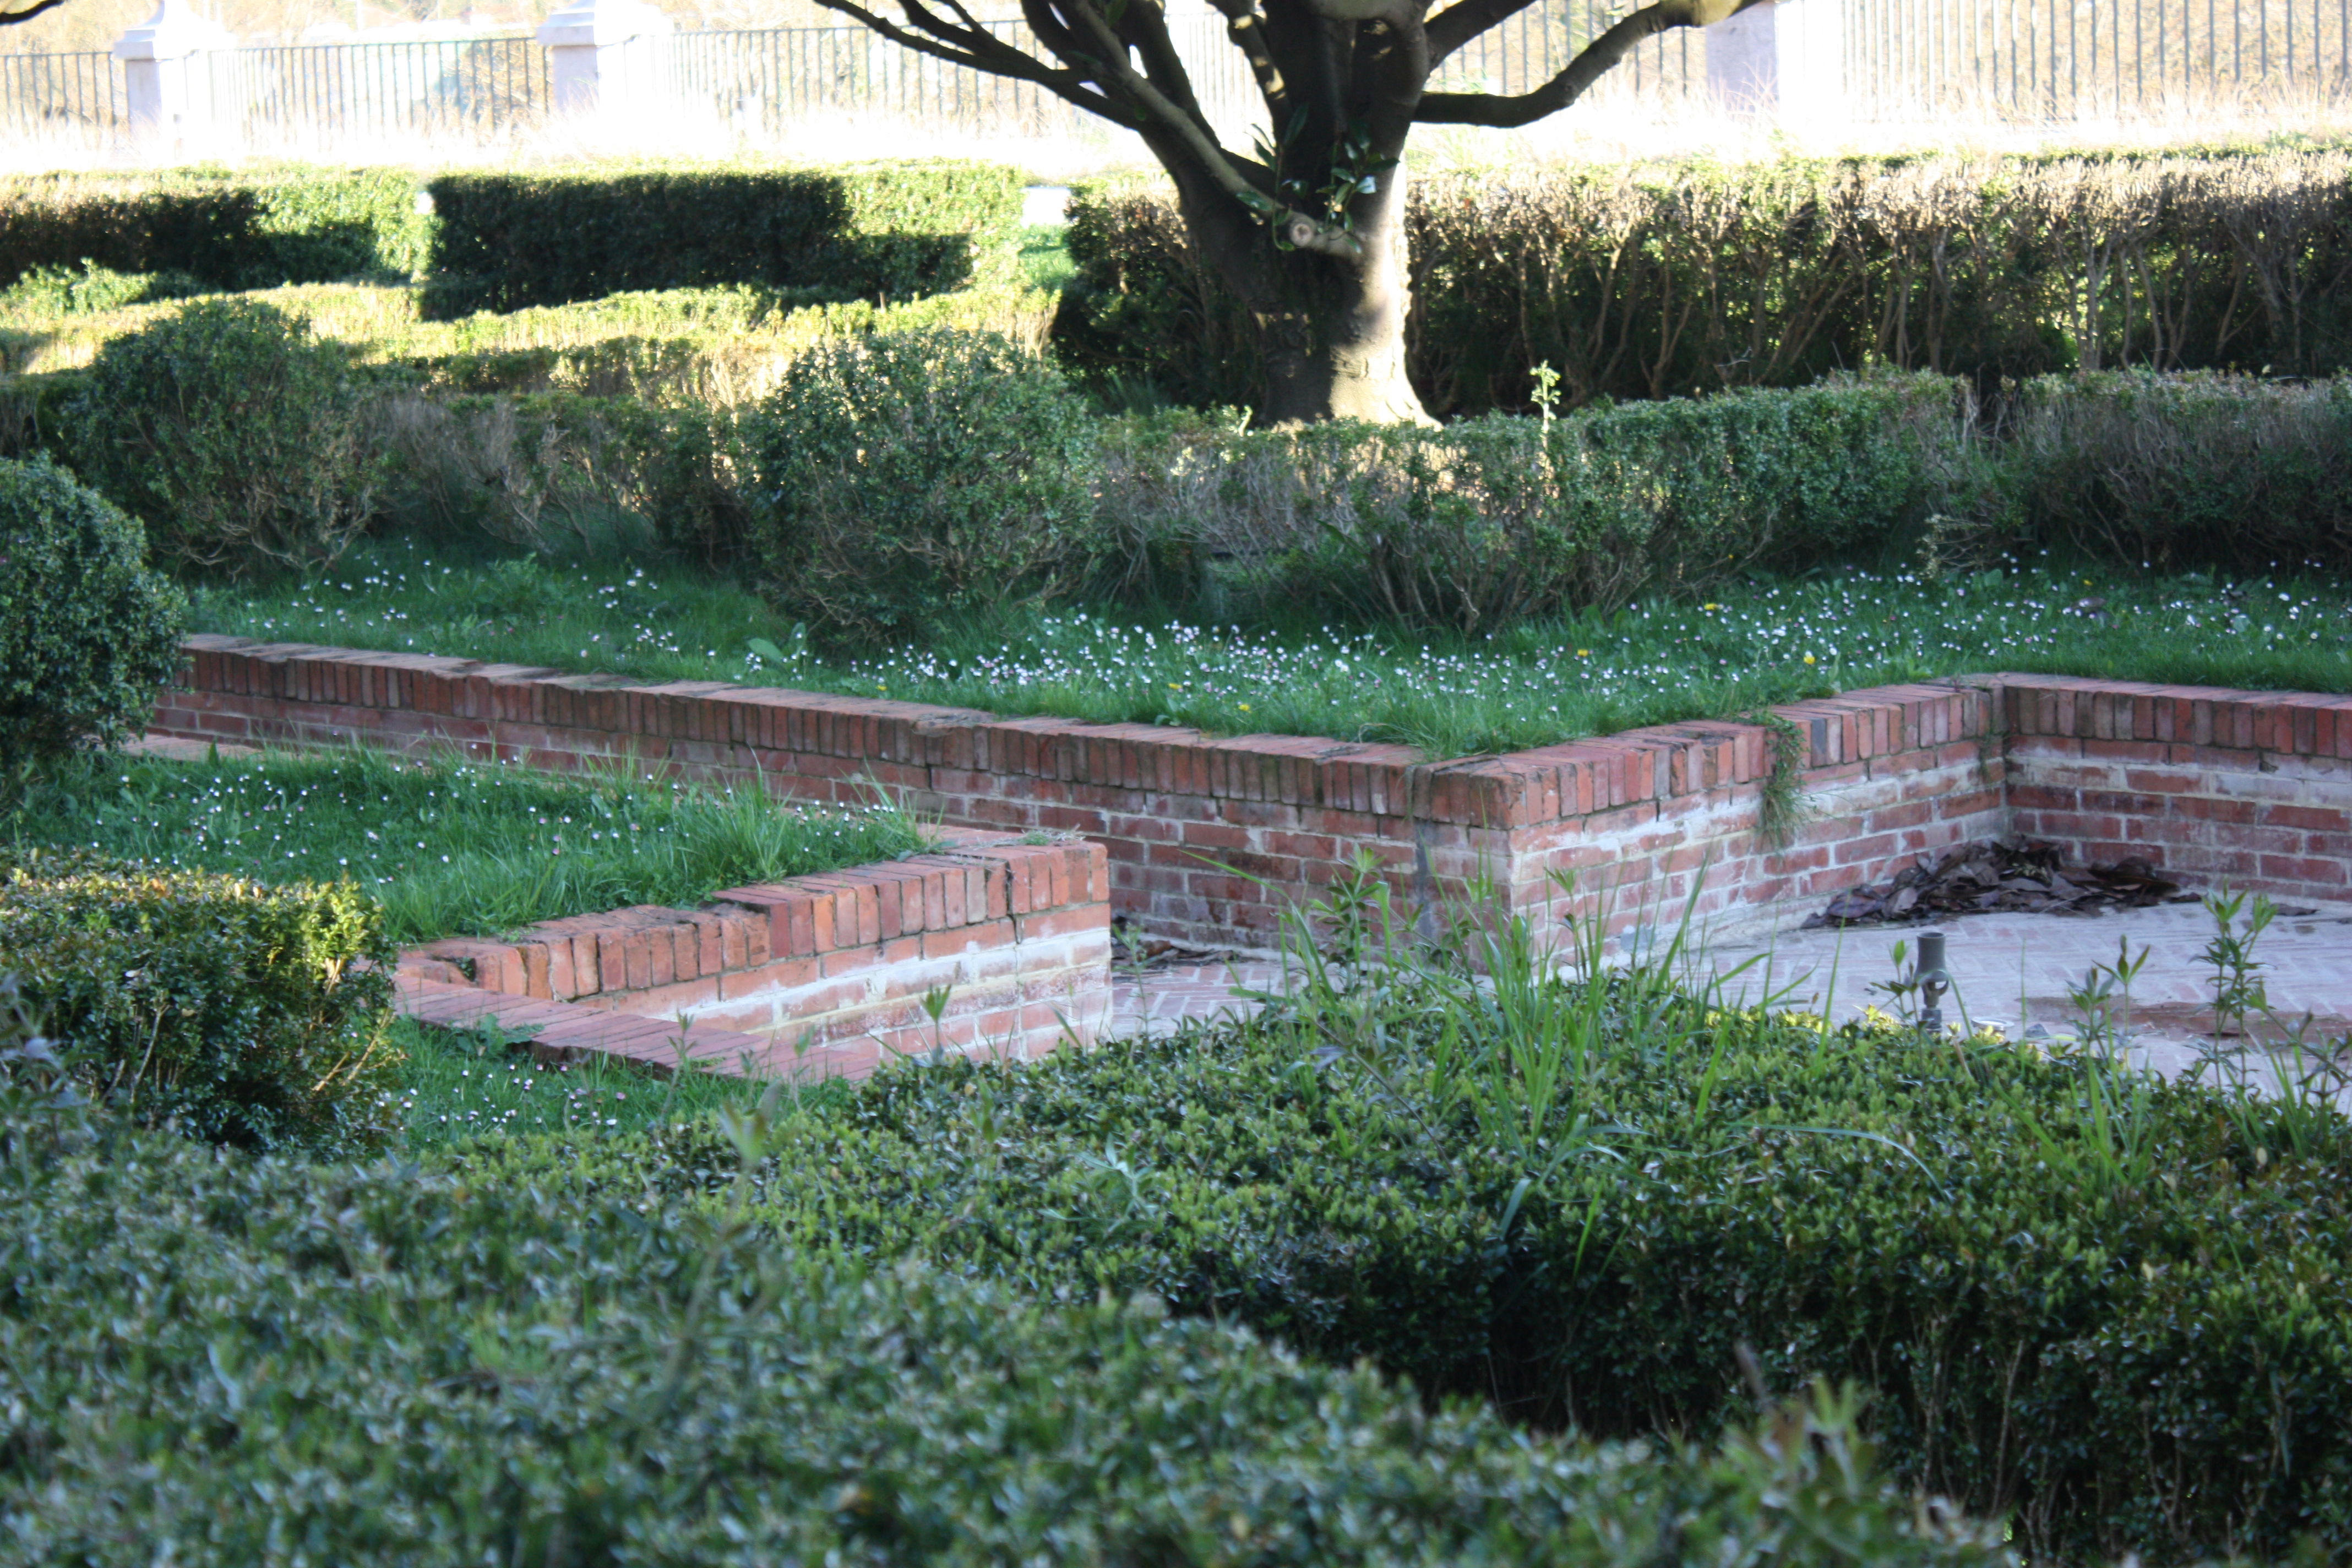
(477, 89)
(2069, 59)
(2046, 59)
(71, 98)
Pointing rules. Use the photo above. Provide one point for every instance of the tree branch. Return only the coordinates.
(1246, 28)
(11, 18)
(1302, 230)
(1598, 57)
(987, 54)
(1465, 20)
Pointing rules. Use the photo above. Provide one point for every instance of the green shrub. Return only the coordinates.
(87, 632)
(232, 432)
(235, 231)
(1674, 278)
(506, 241)
(1497, 519)
(392, 1365)
(2179, 471)
(89, 289)
(902, 480)
(245, 1014)
(2111, 1308)
(563, 473)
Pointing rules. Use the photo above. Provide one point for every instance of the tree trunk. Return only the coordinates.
(1331, 327)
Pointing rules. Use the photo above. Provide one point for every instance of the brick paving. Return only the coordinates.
(2015, 971)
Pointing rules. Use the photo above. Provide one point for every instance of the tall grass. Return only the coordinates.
(450, 849)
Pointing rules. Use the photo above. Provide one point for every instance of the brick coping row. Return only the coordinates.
(525, 712)
(967, 881)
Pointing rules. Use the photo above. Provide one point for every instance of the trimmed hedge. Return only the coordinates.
(243, 1013)
(2131, 1336)
(507, 241)
(1488, 520)
(1672, 280)
(214, 1361)
(223, 230)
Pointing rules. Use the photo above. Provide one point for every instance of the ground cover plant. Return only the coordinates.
(2108, 1308)
(403, 1364)
(1530, 684)
(447, 847)
(454, 1086)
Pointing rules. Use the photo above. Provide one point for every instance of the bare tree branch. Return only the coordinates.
(10, 18)
(996, 58)
(1144, 22)
(1246, 28)
(1303, 230)
(1598, 57)
(1465, 20)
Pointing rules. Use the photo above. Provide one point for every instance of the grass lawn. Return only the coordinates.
(451, 848)
(1774, 641)
(472, 1083)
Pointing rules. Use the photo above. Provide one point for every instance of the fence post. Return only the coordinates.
(606, 57)
(1783, 60)
(167, 87)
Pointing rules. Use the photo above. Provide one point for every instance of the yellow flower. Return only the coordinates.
(1710, 606)
(1242, 706)
(1584, 653)
(1809, 658)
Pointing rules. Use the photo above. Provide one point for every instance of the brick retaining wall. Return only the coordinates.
(828, 974)
(1209, 839)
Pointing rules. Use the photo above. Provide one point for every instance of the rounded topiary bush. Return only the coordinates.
(903, 480)
(86, 632)
(232, 432)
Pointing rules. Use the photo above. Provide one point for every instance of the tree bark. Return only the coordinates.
(1331, 327)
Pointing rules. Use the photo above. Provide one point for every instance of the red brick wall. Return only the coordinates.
(2254, 788)
(1210, 838)
(828, 973)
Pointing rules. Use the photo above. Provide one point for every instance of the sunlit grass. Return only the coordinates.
(450, 849)
(1534, 684)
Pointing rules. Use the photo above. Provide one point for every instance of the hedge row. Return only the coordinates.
(493, 241)
(1666, 280)
(218, 1361)
(2114, 1310)
(223, 230)
(506, 241)
(243, 1013)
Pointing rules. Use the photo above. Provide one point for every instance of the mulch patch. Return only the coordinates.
(1994, 876)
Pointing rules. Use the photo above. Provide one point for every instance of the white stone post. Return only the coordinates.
(607, 59)
(166, 83)
(1783, 60)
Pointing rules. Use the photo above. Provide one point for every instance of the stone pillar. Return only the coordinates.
(1782, 61)
(166, 81)
(607, 59)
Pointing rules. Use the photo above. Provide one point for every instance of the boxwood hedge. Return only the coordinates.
(504, 241)
(242, 1013)
(210, 1359)
(2115, 1308)
(227, 230)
